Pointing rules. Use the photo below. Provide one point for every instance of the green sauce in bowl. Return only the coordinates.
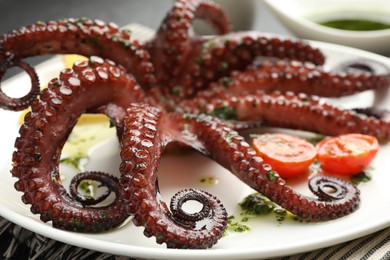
(356, 24)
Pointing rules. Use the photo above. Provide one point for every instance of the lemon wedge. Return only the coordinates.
(69, 60)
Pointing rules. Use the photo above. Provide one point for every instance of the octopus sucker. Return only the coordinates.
(240, 159)
(36, 162)
(7, 61)
(178, 88)
(298, 77)
(295, 112)
(80, 36)
(172, 44)
(176, 229)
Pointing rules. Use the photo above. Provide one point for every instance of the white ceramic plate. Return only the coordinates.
(301, 17)
(267, 237)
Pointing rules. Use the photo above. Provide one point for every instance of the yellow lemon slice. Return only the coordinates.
(69, 59)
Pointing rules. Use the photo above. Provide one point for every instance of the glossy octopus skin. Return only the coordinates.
(16, 104)
(221, 55)
(174, 40)
(82, 36)
(158, 95)
(300, 112)
(36, 162)
(301, 77)
(147, 132)
(229, 149)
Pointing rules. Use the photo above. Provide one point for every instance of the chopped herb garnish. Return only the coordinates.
(360, 177)
(259, 205)
(125, 44)
(223, 66)
(280, 214)
(163, 99)
(226, 81)
(256, 204)
(225, 113)
(272, 175)
(94, 41)
(232, 134)
(73, 161)
(200, 61)
(235, 226)
(175, 91)
(37, 157)
(316, 139)
(209, 180)
(83, 20)
(88, 187)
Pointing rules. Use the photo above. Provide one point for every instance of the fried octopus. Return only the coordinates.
(175, 88)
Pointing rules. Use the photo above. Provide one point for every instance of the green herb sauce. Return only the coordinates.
(356, 24)
(236, 226)
(82, 139)
(225, 113)
(209, 180)
(360, 177)
(258, 205)
(88, 187)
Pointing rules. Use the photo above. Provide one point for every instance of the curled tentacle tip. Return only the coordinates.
(19, 103)
(111, 183)
(329, 188)
(362, 66)
(211, 209)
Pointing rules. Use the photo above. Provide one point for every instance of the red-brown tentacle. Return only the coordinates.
(87, 87)
(291, 111)
(221, 55)
(81, 36)
(101, 179)
(285, 76)
(175, 40)
(7, 60)
(229, 149)
(147, 132)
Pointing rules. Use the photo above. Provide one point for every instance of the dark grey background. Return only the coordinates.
(17, 13)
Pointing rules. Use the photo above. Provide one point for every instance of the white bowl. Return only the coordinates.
(302, 17)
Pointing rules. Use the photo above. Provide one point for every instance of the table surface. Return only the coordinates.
(17, 13)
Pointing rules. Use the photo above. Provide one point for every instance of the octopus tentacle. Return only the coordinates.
(229, 149)
(320, 185)
(19, 103)
(292, 111)
(109, 181)
(147, 132)
(180, 198)
(300, 77)
(174, 41)
(221, 55)
(85, 37)
(188, 86)
(381, 114)
(361, 65)
(45, 130)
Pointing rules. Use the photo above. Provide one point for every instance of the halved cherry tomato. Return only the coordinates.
(347, 154)
(288, 155)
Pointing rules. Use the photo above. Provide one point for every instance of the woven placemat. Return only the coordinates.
(19, 243)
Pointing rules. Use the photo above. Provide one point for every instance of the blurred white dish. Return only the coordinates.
(302, 17)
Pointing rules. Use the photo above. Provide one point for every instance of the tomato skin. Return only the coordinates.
(347, 154)
(289, 155)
